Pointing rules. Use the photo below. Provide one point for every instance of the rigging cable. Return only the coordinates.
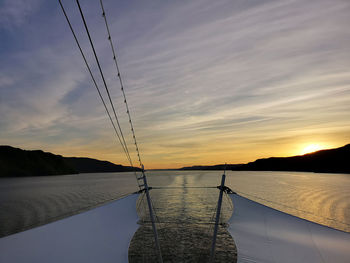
(124, 145)
(104, 82)
(92, 76)
(121, 83)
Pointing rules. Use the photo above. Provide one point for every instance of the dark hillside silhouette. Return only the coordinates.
(17, 162)
(88, 165)
(325, 161)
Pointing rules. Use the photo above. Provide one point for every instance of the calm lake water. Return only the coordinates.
(182, 212)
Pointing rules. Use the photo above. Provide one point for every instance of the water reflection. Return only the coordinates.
(185, 221)
(33, 201)
(319, 197)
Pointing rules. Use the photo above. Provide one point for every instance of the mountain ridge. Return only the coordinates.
(336, 160)
(16, 162)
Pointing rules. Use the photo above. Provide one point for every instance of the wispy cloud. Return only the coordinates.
(207, 81)
(14, 13)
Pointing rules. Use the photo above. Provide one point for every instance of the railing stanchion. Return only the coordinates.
(212, 252)
(152, 217)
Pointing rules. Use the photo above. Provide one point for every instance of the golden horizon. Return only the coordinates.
(247, 155)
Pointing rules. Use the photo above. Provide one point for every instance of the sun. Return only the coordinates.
(312, 148)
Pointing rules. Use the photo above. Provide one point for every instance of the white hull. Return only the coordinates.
(102, 234)
(265, 235)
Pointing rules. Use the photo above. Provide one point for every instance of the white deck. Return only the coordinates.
(102, 234)
(265, 235)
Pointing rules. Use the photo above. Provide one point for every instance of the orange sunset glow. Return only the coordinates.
(203, 87)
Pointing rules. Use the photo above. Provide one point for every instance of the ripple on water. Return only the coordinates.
(185, 224)
(33, 201)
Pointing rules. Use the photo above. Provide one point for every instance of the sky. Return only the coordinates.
(207, 82)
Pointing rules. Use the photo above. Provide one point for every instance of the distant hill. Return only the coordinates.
(325, 161)
(88, 165)
(211, 167)
(18, 162)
